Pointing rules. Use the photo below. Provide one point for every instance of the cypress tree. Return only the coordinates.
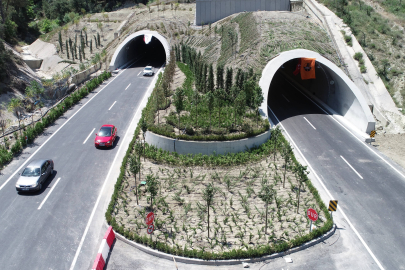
(95, 41)
(80, 53)
(75, 49)
(76, 38)
(87, 43)
(228, 82)
(210, 85)
(84, 55)
(70, 43)
(220, 77)
(98, 39)
(60, 41)
(67, 49)
(204, 79)
(91, 46)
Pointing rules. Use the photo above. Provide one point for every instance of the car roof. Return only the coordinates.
(148, 67)
(37, 163)
(107, 126)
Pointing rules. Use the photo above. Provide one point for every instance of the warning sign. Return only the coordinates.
(333, 205)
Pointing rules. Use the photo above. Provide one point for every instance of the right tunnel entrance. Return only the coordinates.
(287, 95)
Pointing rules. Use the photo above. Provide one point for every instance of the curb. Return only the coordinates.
(170, 257)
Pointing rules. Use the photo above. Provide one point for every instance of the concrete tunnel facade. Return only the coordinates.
(341, 96)
(129, 50)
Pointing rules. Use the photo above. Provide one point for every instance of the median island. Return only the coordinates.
(214, 207)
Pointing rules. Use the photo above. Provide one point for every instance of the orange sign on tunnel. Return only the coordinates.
(307, 68)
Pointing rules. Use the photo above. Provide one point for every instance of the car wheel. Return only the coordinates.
(52, 171)
(40, 186)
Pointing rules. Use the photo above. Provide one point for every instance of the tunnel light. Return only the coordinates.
(147, 38)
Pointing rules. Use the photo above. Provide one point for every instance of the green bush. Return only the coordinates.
(363, 69)
(358, 56)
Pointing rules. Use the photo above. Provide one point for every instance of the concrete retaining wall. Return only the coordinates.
(205, 147)
(82, 76)
(209, 11)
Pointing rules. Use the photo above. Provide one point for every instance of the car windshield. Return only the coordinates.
(31, 172)
(104, 132)
(148, 68)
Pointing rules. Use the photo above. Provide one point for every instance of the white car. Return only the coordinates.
(148, 71)
(34, 175)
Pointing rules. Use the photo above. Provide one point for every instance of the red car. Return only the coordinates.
(106, 136)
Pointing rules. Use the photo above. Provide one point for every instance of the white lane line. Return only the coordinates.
(101, 192)
(285, 98)
(39, 148)
(331, 197)
(47, 195)
(362, 142)
(112, 105)
(127, 86)
(351, 167)
(309, 122)
(89, 136)
(139, 72)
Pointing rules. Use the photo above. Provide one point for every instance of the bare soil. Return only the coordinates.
(237, 216)
(392, 145)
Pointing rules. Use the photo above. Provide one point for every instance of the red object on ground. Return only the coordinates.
(150, 218)
(106, 136)
(99, 263)
(151, 227)
(312, 214)
(109, 236)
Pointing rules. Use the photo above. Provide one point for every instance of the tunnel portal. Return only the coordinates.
(331, 88)
(136, 48)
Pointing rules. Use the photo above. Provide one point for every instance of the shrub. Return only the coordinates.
(358, 56)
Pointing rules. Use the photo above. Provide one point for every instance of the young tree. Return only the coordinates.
(67, 49)
(144, 128)
(152, 186)
(220, 77)
(266, 195)
(208, 197)
(15, 105)
(196, 98)
(98, 39)
(134, 168)
(95, 41)
(220, 96)
(275, 139)
(257, 101)
(228, 81)
(210, 103)
(286, 152)
(239, 105)
(210, 86)
(301, 173)
(87, 43)
(179, 102)
(91, 46)
(60, 41)
(80, 54)
(34, 89)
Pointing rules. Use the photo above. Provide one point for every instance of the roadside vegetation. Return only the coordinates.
(381, 38)
(206, 106)
(30, 132)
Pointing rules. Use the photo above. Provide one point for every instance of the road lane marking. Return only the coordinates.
(127, 86)
(89, 136)
(39, 148)
(102, 189)
(351, 167)
(285, 98)
(139, 72)
(330, 195)
(351, 133)
(112, 105)
(49, 193)
(309, 123)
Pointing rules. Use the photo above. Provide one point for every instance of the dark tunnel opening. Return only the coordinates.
(286, 97)
(151, 54)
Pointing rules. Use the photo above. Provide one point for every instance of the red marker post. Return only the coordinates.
(26, 140)
(313, 216)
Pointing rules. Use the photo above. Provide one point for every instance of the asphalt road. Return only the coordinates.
(47, 238)
(369, 191)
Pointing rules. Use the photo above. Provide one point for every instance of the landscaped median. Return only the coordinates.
(31, 132)
(215, 207)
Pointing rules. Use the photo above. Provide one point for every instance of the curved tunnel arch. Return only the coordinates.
(342, 97)
(127, 50)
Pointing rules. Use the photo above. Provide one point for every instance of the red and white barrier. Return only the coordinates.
(104, 250)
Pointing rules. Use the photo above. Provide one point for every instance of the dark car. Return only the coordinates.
(34, 175)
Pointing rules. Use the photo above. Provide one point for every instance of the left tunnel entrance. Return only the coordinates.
(137, 48)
